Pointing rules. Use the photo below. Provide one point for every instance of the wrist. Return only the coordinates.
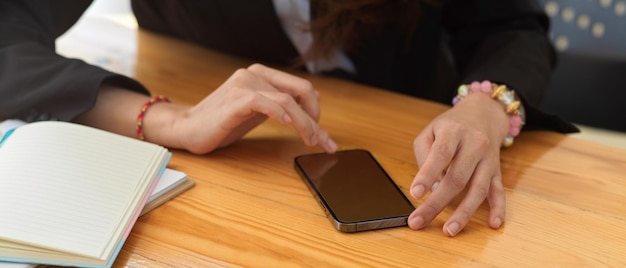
(483, 112)
(156, 122)
(508, 100)
(142, 113)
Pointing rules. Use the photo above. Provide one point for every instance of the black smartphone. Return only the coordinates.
(355, 191)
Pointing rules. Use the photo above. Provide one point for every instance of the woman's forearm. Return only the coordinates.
(117, 110)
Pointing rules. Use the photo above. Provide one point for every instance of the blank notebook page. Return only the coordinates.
(69, 188)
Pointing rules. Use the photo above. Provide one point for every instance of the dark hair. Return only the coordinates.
(345, 24)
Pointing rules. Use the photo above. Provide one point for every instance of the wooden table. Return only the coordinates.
(566, 198)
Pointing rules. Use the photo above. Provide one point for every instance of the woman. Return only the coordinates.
(420, 48)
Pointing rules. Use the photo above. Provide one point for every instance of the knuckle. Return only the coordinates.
(240, 72)
(456, 182)
(417, 142)
(283, 99)
(443, 151)
(256, 67)
(431, 209)
(465, 213)
(323, 135)
(303, 89)
(240, 77)
(481, 191)
(308, 86)
(481, 139)
(454, 126)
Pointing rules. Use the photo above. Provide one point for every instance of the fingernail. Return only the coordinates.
(417, 222)
(286, 119)
(417, 191)
(497, 222)
(453, 229)
(435, 185)
(332, 146)
(313, 141)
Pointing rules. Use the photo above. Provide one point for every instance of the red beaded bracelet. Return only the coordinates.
(142, 113)
(512, 105)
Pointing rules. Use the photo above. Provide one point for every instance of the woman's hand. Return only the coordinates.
(242, 102)
(460, 150)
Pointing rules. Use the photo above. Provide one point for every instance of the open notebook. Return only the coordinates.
(70, 194)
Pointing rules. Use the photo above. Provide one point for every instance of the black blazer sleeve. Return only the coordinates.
(35, 82)
(505, 42)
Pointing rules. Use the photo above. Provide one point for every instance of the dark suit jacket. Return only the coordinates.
(462, 41)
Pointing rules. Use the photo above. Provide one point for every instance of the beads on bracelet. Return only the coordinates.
(142, 113)
(512, 105)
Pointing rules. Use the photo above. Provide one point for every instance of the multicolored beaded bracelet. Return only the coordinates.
(142, 113)
(512, 105)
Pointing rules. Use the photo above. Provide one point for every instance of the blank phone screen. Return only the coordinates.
(353, 186)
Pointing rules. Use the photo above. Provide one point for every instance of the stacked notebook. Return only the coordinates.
(70, 194)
